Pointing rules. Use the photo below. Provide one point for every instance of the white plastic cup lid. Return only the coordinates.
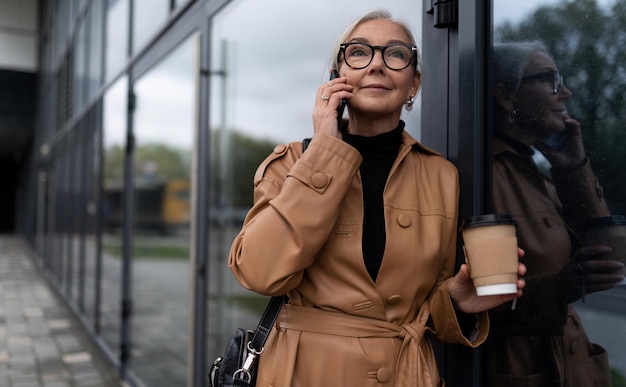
(489, 290)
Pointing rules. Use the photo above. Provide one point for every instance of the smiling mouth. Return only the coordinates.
(376, 87)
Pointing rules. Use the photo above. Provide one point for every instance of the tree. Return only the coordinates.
(589, 46)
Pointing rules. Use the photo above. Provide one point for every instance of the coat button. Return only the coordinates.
(404, 220)
(383, 375)
(280, 148)
(394, 299)
(319, 180)
(547, 222)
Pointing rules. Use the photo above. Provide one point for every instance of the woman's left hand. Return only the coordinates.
(464, 295)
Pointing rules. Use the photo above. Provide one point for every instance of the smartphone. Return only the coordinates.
(556, 140)
(342, 105)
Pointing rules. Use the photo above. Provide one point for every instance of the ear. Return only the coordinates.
(417, 82)
(503, 97)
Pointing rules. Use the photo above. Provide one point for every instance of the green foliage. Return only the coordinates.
(589, 47)
(150, 251)
(168, 162)
(155, 161)
(233, 167)
(617, 378)
(114, 163)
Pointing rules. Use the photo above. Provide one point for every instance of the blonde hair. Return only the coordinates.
(381, 14)
(511, 60)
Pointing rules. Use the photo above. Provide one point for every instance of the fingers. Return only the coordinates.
(331, 92)
(521, 270)
(592, 252)
(329, 97)
(600, 275)
(601, 266)
(464, 272)
(572, 125)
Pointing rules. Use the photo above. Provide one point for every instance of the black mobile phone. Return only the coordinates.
(556, 140)
(342, 105)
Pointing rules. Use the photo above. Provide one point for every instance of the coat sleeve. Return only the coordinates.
(543, 309)
(581, 194)
(296, 204)
(444, 320)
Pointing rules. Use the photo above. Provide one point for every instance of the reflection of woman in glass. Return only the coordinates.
(360, 232)
(542, 342)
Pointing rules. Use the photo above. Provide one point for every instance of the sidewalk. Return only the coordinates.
(41, 343)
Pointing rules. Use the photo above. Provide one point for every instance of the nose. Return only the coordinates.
(377, 63)
(564, 92)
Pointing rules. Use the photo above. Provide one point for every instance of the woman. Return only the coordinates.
(360, 232)
(542, 342)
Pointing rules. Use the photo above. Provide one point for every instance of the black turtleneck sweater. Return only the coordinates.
(379, 153)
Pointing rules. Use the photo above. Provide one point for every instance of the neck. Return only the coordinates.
(522, 135)
(369, 126)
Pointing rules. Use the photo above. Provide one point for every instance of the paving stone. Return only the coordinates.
(41, 342)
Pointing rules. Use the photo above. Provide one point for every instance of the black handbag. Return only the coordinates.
(238, 366)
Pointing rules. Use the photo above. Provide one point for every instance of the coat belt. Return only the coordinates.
(412, 363)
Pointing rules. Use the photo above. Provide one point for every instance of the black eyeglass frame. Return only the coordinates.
(557, 79)
(343, 46)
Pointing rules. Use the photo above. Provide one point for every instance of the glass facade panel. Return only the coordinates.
(559, 74)
(263, 90)
(164, 124)
(114, 144)
(180, 3)
(148, 17)
(74, 239)
(94, 79)
(81, 51)
(88, 269)
(61, 23)
(117, 36)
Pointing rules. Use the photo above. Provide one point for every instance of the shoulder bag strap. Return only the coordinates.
(267, 322)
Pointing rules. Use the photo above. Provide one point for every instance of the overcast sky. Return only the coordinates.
(277, 59)
(277, 56)
(277, 62)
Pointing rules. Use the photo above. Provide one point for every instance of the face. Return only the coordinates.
(536, 105)
(378, 90)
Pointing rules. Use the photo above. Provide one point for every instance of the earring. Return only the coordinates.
(511, 116)
(409, 103)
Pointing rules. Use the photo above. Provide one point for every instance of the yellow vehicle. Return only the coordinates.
(163, 206)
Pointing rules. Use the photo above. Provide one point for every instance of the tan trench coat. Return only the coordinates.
(542, 343)
(303, 237)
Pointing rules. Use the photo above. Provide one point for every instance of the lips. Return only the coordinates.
(376, 87)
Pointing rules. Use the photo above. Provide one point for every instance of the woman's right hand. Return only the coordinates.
(572, 155)
(329, 96)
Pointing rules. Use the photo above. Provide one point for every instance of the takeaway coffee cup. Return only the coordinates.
(608, 231)
(490, 247)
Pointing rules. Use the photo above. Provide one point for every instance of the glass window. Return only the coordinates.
(180, 3)
(81, 51)
(559, 86)
(95, 49)
(263, 90)
(114, 145)
(89, 193)
(116, 50)
(61, 23)
(164, 128)
(148, 17)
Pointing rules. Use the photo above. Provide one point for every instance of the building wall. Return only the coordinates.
(18, 35)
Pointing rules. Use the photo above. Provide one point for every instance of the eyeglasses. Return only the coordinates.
(557, 79)
(397, 56)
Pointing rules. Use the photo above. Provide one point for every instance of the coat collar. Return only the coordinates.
(409, 141)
